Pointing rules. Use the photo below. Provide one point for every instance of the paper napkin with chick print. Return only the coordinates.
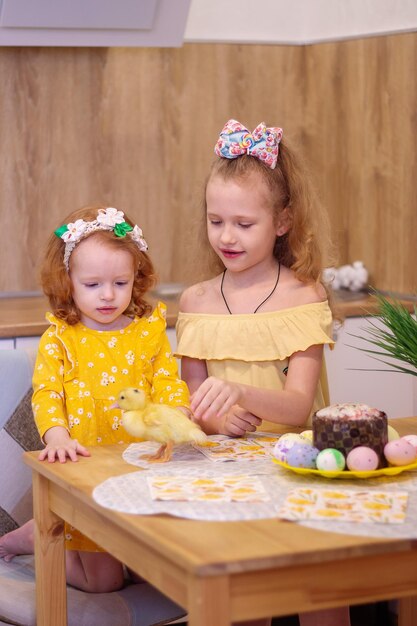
(344, 505)
(222, 448)
(237, 488)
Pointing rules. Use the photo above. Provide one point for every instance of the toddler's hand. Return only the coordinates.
(214, 398)
(59, 445)
(238, 422)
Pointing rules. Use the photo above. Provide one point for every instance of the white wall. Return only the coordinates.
(162, 22)
(296, 21)
(354, 376)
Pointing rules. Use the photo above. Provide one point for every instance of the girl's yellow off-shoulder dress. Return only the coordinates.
(79, 373)
(254, 349)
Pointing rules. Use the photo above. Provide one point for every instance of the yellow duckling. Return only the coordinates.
(156, 422)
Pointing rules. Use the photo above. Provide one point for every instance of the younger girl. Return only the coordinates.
(251, 338)
(96, 273)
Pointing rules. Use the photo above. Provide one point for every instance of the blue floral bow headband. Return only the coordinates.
(262, 143)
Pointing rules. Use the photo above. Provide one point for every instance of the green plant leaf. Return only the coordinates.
(396, 339)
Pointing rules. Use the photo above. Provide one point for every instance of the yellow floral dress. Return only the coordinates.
(254, 348)
(79, 373)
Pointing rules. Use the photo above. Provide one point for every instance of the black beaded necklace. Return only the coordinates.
(263, 301)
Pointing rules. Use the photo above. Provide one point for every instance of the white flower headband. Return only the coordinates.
(107, 219)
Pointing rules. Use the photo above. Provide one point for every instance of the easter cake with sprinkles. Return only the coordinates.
(350, 425)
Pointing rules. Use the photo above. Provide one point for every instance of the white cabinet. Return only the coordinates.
(7, 344)
(23, 343)
(351, 379)
(19, 343)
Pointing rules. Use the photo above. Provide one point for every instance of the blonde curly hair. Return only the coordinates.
(306, 247)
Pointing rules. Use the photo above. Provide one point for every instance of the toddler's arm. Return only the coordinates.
(167, 386)
(48, 386)
(59, 445)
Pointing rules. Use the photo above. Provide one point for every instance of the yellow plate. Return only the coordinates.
(385, 471)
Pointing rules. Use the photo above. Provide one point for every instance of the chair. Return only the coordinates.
(137, 604)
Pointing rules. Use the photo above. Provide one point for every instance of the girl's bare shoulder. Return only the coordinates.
(201, 297)
(299, 293)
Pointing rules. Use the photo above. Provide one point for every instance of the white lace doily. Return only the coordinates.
(129, 493)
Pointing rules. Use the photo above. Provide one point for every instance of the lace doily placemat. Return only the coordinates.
(130, 493)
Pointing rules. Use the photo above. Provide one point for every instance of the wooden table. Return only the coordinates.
(219, 571)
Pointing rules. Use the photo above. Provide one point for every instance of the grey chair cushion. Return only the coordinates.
(136, 605)
(17, 435)
(16, 367)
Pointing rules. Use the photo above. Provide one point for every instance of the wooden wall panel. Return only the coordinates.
(135, 128)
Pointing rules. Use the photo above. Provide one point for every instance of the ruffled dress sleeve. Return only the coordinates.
(271, 336)
(167, 387)
(53, 363)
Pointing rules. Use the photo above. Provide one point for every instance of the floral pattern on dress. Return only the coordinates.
(89, 368)
(79, 373)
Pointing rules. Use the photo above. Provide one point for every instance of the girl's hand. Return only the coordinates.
(238, 422)
(59, 445)
(214, 398)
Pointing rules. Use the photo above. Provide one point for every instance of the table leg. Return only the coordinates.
(209, 601)
(407, 611)
(51, 591)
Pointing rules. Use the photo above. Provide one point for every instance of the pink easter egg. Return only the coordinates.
(411, 439)
(362, 459)
(400, 452)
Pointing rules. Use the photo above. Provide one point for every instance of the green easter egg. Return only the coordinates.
(330, 460)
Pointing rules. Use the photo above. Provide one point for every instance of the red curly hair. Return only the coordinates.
(56, 281)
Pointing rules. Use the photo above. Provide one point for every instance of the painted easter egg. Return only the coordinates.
(411, 439)
(302, 455)
(330, 460)
(362, 459)
(285, 443)
(392, 434)
(400, 452)
(307, 434)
